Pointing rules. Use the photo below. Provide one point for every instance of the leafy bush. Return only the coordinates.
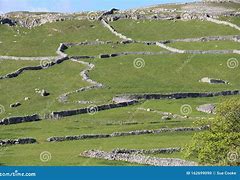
(221, 144)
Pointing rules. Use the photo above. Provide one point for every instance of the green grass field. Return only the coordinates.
(44, 40)
(166, 30)
(111, 48)
(163, 73)
(210, 45)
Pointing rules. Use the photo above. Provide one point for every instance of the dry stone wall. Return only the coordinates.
(39, 67)
(60, 114)
(120, 134)
(16, 120)
(179, 95)
(7, 142)
(137, 158)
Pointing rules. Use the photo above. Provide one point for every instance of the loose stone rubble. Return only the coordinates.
(137, 158)
(150, 151)
(207, 108)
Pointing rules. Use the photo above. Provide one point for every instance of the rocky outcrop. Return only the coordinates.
(174, 50)
(136, 158)
(30, 20)
(7, 142)
(20, 119)
(120, 134)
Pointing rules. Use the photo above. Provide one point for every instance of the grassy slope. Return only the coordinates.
(165, 30)
(67, 153)
(211, 45)
(161, 74)
(110, 48)
(8, 66)
(56, 80)
(44, 40)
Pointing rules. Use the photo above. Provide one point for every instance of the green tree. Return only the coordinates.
(220, 145)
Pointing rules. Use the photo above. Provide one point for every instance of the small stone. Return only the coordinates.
(15, 105)
(166, 118)
(44, 93)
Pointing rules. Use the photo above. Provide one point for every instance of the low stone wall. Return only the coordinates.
(114, 31)
(30, 68)
(204, 39)
(60, 114)
(137, 158)
(7, 142)
(178, 95)
(49, 58)
(150, 151)
(120, 134)
(16, 120)
(223, 23)
(174, 50)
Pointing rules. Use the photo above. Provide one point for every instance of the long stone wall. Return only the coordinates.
(178, 95)
(150, 151)
(223, 23)
(7, 142)
(137, 158)
(105, 24)
(20, 119)
(49, 58)
(30, 68)
(120, 134)
(60, 114)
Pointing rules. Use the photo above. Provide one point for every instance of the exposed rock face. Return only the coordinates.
(207, 108)
(119, 134)
(30, 20)
(137, 158)
(17, 141)
(213, 81)
(16, 120)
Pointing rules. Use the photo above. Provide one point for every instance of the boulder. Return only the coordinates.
(207, 108)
